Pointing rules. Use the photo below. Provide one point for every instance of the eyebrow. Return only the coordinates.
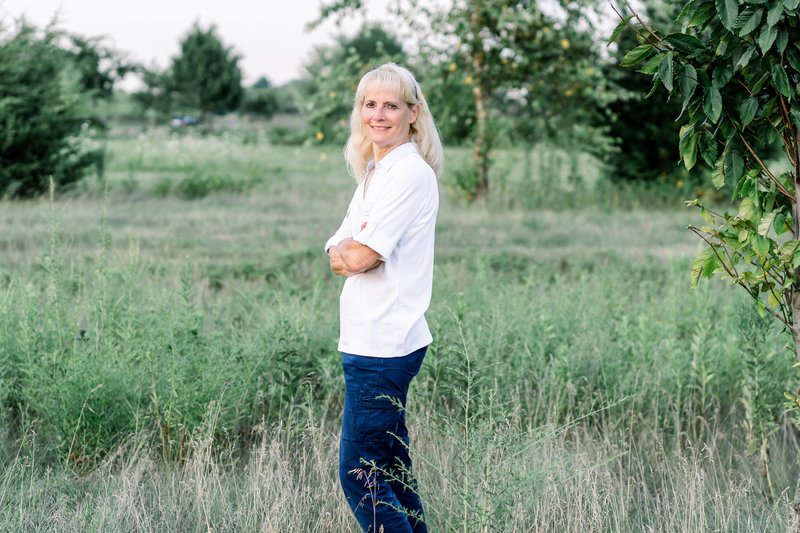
(398, 101)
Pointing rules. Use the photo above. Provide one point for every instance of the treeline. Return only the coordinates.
(496, 74)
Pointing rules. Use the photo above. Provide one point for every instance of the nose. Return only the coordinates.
(380, 113)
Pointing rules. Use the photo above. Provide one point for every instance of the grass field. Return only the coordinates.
(168, 348)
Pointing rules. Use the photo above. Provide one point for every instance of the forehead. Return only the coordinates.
(385, 87)
(382, 94)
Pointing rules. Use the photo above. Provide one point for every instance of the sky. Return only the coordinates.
(269, 34)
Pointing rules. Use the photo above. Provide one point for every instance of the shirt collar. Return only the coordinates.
(393, 157)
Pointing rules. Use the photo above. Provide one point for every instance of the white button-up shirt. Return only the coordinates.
(382, 311)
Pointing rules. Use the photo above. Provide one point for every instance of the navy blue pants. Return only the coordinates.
(374, 431)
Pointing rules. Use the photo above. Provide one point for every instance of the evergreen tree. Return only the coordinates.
(206, 74)
(42, 114)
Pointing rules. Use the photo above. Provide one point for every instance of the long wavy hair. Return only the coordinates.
(424, 133)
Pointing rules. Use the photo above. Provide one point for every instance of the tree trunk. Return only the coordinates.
(794, 509)
(480, 150)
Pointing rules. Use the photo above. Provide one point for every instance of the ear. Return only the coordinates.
(414, 113)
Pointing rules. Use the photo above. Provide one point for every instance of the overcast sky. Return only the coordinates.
(269, 34)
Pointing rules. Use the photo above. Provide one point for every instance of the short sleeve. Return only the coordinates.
(408, 200)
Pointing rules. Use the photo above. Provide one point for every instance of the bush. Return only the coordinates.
(287, 136)
(41, 115)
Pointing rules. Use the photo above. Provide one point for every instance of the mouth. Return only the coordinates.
(379, 128)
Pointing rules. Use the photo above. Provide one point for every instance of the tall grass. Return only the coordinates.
(170, 365)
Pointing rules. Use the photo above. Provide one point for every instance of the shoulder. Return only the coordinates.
(413, 170)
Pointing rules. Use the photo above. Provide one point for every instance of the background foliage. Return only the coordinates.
(206, 74)
(43, 111)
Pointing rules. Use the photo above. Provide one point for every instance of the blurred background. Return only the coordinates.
(497, 75)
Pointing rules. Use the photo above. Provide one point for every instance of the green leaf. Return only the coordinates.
(752, 21)
(748, 109)
(707, 216)
(703, 79)
(687, 9)
(761, 308)
(772, 298)
(702, 15)
(704, 265)
(712, 104)
(781, 81)
(746, 55)
(780, 225)
(728, 10)
(794, 57)
(651, 67)
(708, 148)
(717, 175)
(687, 45)
(687, 81)
(747, 208)
(665, 71)
(688, 146)
(788, 250)
(656, 79)
(791, 4)
(766, 223)
(636, 55)
(767, 37)
(755, 89)
(727, 129)
(620, 27)
(760, 245)
(744, 235)
(782, 40)
(734, 166)
(775, 13)
(721, 76)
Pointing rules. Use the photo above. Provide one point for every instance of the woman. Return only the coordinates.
(384, 248)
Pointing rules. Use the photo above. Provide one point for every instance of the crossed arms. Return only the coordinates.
(350, 257)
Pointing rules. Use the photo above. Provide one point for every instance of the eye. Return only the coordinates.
(369, 104)
(392, 106)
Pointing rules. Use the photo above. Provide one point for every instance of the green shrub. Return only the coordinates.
(287, 136)
(42, 115)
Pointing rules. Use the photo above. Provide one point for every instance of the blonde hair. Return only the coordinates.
(423, 132)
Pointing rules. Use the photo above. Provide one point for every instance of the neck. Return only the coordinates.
(379, 152)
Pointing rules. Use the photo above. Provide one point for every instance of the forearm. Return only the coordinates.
(357, 257)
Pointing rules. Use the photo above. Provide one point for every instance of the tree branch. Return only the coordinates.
(640, 34)
(735, 274)
(763, 166)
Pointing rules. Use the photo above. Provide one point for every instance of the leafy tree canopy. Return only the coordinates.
(735, 69)
(206, 74)
(643, 130)
(495, 56)
(43, 108)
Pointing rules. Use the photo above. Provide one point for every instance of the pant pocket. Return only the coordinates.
(376, 417)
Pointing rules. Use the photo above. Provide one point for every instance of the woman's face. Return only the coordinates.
(386, 119)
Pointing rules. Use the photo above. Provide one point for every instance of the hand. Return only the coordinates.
(337, 266)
